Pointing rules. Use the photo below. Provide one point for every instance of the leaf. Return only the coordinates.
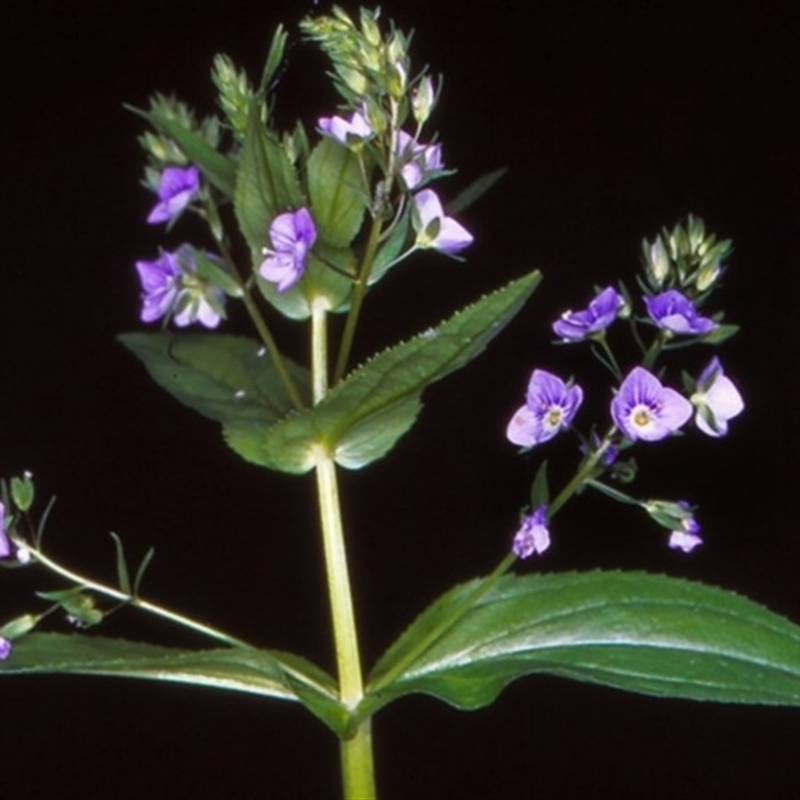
(363, 416)
(644, 633)
(336, 190)
(218, 169)
(260, 672)
(229, 379)
(123, 577)
(474, 191)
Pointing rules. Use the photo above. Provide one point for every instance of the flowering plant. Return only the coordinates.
(305, 225)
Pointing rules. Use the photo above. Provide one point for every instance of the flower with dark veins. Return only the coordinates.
(644, 409)
(533, 535)
(176, 189)
(717, 400)
(550, 406)
(292, 234)
(600, 313)
(418, 160)
(674, 312)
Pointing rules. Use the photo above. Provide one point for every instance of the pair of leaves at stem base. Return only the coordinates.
(233, 381)
(649, 634)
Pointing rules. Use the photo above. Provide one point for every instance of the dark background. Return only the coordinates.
(614, 120)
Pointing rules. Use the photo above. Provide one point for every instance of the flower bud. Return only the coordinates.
(422, 100)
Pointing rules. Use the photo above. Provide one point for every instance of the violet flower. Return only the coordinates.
(417, 160)
(550, 406)
(644, 409)
(171, 286)
(292, 234)
(5, 544)
(344, 130)
(435, 229)
(674, 312)
(687, 537)
(5, 648)
(717, 400)
(601, 312)
(533, 535)
(176, 189)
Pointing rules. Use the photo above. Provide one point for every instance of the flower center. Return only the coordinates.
(642, 416)
(554, 416)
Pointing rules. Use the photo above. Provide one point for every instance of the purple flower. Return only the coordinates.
(674, 312)
(717, 400)
(550, 406)
(417, 160)
(176, 189)
(292, 234)
(171, 286)
(644, 409)
(602, 311)
(687, 537)
(5, 544)
(533, 535)
(344, 130)
(5, 648)
(435, 229)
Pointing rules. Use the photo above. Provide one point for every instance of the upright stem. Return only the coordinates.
(358, 778)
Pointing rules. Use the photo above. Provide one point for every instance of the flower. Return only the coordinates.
(644, 409)
(5, 544)
(172, 285)
(601, 312)
(435, 229)
(717, 400)
(5, 648)
(674, 312)
(343, 130)
(686, 537)
(533, 535)
(176, 189)
(417, 159)
(550, 405)
(292, 234)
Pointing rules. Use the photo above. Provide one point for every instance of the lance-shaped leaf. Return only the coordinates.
(363, 416)
(337, 192)
(262, 672)
(219, 170)
(230, 379)
(644, 633)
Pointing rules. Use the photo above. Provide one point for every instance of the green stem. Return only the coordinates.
(137, 602)
(357, 300)
(319, 349)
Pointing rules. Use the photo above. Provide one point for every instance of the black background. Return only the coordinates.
(614, 120)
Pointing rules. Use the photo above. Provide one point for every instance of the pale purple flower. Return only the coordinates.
(550, 406)
(601, 312)
(435, 229)
(5, 544)
(176, 189)
(644, 409)
(5, 648)
(533, 535)
(292, 234)
(417, 159)
(674, 312)
(717, 400)
(171, 286)
(687, 537)
(343, 130)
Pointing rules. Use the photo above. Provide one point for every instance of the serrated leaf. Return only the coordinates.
(386, 257)
(363, 416)
(337, 193)
(229, 379)
(219, 170)
(259, 672)
(643, 633)
(266, 184)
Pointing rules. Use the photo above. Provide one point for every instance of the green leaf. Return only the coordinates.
(259, 672)
(123, 577)
(229, 379)
(387, 256)
(642, 633)
(540, 488)
(266, 183)
(363, 416)
(474, 191)
(337, 193)
(218, 169)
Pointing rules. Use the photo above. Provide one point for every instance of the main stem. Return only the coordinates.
(358, 774)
